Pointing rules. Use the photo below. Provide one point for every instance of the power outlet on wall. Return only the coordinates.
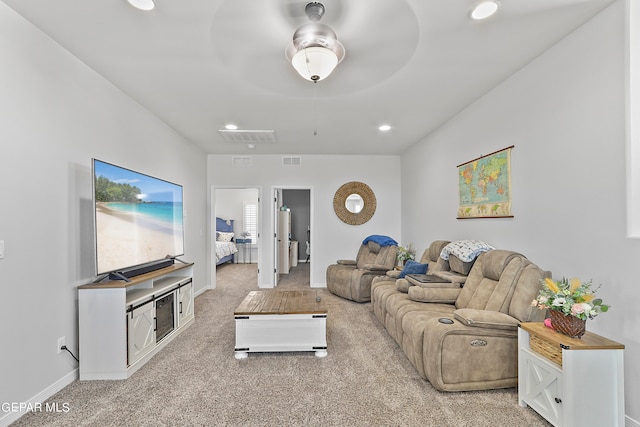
(61, 343)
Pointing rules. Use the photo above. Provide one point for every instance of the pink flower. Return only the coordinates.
(577, 308)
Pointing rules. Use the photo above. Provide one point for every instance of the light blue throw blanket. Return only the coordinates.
(381, 240)
(466, 250)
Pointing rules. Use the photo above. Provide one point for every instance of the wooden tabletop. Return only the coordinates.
(589, 340)
(282, 302)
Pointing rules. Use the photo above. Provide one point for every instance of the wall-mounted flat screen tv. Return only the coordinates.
(138, 218)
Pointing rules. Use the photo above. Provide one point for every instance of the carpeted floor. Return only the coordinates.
(195, 381)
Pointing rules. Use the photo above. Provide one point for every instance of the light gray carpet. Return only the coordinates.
(195, 381)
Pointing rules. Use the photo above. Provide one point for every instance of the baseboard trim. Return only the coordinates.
(37, 401)
(202, 291)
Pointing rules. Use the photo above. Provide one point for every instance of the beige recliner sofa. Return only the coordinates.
(463, 336)
(351, 279)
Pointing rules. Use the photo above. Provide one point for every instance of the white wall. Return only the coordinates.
(565, 115)
(324, 174)
(56, 115)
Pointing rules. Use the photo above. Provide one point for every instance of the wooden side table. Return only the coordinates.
(570, 381)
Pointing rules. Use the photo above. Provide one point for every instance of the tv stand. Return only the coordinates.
(118, 320)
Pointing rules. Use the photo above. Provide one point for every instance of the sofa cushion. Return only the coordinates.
(486, 319)
(374, 254)
(526, 289)
(495, 262)
(458, 266)
(380, 268)
(490, 281)
(413, 267)
(435, 248)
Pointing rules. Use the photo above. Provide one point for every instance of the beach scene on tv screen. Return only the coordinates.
(139, 218)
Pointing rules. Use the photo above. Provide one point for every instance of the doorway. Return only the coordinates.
(239, 208)
(292, 245)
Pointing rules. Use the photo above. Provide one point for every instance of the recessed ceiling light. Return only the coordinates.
(251, 146)
(484, 9)
(384, 128)
(230, 126)
(142, 4)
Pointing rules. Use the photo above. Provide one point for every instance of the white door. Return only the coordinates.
(276, 209)
(284, 233)
(185, 304)
(142, 337)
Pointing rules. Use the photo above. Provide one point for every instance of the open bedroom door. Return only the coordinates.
(277, 196)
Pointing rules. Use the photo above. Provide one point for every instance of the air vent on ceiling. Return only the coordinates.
(249, 136)
(291, 161)
(241, 161)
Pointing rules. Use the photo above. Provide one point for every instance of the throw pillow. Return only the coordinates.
(413, 267)
(224, 237)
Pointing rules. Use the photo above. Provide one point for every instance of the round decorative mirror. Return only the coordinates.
(354, 203)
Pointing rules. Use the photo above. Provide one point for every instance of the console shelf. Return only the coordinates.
(123, 324)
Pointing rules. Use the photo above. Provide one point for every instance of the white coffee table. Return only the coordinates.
(281, 321)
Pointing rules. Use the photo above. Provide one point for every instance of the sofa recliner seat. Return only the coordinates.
(351, 279)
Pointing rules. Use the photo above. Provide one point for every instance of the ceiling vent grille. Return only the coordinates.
(249, 136)
(241, 161)
(291, 161)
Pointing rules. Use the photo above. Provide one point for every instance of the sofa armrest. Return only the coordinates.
(347, 262)
(402, 285)
(486, 319)
(434, 294)
(376, 267)
(394, 274)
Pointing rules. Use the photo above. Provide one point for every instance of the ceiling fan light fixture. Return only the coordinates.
(484, 9)
(314, 51)
(314, 63)
(142, 4)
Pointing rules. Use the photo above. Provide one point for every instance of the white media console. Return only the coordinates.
(123, 324)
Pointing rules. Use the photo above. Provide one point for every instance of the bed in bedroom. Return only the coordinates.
(225, 243)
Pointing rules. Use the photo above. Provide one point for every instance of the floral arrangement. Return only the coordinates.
(570, 297)
(406, 253)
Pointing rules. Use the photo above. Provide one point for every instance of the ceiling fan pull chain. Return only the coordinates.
(315, 108)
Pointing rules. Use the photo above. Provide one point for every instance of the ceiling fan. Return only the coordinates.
(315, 50)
